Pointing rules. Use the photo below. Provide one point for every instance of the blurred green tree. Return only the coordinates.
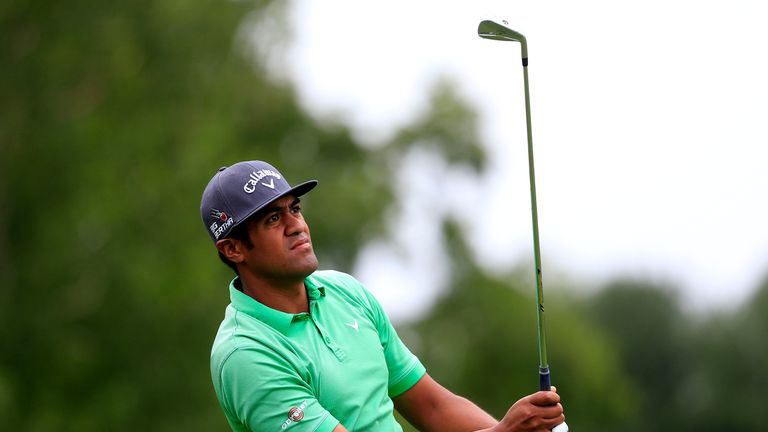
(114, 116)
(652, 334)
(698, 373)
(480, 341)
(727, 385)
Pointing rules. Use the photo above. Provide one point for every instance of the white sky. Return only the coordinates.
(649, 125)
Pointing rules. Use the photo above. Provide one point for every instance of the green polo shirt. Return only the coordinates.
(341, 362)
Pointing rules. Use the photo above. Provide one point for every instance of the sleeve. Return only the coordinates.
(262, 391)
(404, 367)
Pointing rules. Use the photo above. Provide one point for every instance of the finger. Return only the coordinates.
(551, 423)
(547, 423)
(553, 389)
(551, 412)
(544, 398)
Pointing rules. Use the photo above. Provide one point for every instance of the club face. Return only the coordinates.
(492, 30)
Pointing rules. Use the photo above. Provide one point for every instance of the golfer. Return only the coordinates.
(306, 350)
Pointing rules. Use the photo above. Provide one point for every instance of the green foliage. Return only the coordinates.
(114, 117)
(107, 116)
(649, 329)
(449, 129)
(480, 341)
(726, 386)
(703, 375)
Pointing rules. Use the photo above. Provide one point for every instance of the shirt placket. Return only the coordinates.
(325, 335)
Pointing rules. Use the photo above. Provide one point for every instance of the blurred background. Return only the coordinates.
(648, 122)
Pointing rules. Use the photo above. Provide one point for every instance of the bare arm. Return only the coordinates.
(431, 407)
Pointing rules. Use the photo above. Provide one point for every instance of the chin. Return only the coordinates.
(309, 265)
(311, 268)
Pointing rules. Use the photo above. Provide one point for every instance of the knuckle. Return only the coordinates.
(527, 412)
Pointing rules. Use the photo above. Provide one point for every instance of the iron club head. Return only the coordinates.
(493, 30)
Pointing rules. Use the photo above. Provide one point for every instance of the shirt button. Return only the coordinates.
(327, 340)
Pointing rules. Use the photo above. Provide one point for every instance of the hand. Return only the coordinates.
(539, 412)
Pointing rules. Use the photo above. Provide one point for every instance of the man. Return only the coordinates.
(307, 350)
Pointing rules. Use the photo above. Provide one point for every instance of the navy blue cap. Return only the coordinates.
(237, 192)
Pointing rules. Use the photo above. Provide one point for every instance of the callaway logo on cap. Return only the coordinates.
(237, 192)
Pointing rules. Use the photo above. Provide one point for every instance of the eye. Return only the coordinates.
(273, 218)
(296, 209)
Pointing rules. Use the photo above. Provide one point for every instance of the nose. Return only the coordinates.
(295, 224)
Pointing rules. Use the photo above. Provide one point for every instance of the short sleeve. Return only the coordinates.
(404, 367)
(262, 391)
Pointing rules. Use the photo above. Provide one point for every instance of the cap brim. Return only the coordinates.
(296, 191)
(300, 189)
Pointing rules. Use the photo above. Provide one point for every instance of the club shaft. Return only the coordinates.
(543, 364)
(491, 30)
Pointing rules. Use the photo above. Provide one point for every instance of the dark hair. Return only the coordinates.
(240, 233)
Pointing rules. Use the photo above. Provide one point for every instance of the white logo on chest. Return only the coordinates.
(354, 325)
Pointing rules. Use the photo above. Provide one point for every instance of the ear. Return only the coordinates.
(232, 249)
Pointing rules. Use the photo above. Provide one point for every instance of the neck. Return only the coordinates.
(285, 296)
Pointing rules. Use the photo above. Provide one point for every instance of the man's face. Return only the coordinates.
(282, 250)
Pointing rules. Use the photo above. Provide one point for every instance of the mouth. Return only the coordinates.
(304, 243)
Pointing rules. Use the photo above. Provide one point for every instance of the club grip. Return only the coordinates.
(545, 383)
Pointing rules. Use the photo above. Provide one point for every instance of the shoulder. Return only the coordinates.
(241, 336)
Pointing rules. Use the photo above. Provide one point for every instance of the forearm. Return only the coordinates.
(455, 413)
(431, 407)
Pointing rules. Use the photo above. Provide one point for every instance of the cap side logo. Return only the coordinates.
(216, 229)
(256, 176)
(218, 214)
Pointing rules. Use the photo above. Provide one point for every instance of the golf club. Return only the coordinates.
(491, 30)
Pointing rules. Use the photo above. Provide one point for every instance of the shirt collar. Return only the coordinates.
(276, 319)
(315, 291)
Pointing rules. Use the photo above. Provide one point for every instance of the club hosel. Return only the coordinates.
(545, 383)
(524, 51)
